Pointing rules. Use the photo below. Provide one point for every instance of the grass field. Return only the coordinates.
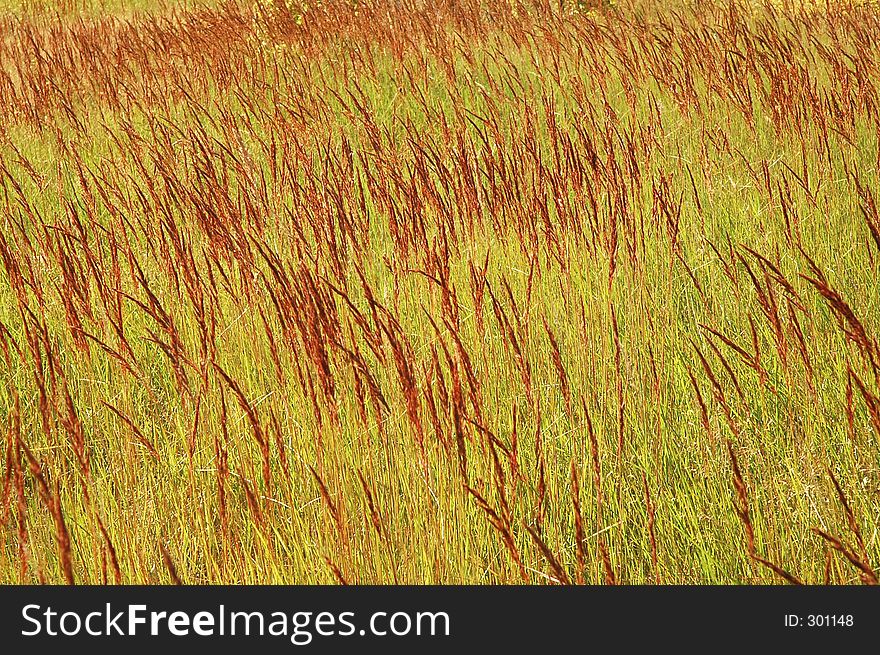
(469, 291)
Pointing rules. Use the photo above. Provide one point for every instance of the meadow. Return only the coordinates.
(466, 291)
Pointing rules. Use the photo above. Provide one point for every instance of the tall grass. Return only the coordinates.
(471, 291)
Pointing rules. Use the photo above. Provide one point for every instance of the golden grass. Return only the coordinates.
(469, 291)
